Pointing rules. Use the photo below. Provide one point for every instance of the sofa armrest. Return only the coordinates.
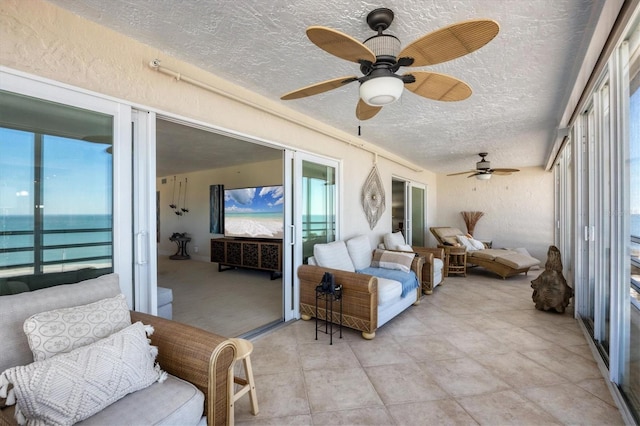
(202, 358)
(359, 297)
(426, 251)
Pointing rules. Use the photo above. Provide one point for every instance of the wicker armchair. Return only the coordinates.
(430, 277)
(428, 270)
(202, 358)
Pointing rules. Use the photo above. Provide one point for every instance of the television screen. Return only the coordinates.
(254, 212)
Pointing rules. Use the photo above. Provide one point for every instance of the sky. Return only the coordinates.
(77, 175)
(267, 199)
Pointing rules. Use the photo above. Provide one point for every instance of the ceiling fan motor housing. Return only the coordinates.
(385, 46)
(483, 165)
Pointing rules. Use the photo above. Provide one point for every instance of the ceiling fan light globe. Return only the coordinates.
(483, 176)
(381, 91)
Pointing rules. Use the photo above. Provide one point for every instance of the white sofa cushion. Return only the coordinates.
(172, 402)
(62, 330)
(333, 255)
(73, 386)
(360, 251)
(388, 291)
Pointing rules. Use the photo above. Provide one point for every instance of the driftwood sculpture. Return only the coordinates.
(550, 289)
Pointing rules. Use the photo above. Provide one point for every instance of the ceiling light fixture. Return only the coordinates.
(381, 91)
(483, 176)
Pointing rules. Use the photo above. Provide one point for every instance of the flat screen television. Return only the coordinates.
(255, 212)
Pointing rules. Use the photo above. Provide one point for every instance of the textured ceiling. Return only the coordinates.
(520, 80)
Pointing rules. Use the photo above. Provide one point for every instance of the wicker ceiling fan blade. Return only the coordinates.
(461, 173)
(478, 173)
(340, 44)
(450, 42)
(504, 172)
(440, 87)
(317, 88)
(365, 111)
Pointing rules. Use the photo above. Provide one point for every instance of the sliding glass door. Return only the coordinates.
(58, 187)
(314, 213)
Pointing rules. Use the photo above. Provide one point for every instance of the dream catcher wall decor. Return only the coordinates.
(373, 202)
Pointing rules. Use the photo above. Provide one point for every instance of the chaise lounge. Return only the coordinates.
(503, 262)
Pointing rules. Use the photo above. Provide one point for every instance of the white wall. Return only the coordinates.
(196, 222)
(518, 208)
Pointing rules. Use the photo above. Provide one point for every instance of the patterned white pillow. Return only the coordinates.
(73, 386)
(63, 330)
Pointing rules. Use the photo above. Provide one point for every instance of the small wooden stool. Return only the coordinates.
(245, 348)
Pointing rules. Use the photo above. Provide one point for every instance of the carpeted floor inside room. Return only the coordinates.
(230, 303)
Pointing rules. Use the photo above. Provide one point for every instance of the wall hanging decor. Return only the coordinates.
(373, 202)
(179, 211)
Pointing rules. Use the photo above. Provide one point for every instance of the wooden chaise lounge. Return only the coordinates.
(503, 262)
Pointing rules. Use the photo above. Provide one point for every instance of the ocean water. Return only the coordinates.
(92, 231)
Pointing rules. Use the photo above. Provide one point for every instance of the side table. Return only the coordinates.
(328, 297)
(457, 261)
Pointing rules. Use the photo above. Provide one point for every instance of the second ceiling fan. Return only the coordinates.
(380, 57)
(483, 169)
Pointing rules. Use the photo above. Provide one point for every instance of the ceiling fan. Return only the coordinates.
(380, 57)
(484, 171)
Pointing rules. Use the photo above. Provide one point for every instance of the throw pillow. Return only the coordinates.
(465, 242)
(478, 245)
(360, 251)
(71, 387)
(333, 255)
(392, 260)
(404, 247)
(393, 240)
(62, 330)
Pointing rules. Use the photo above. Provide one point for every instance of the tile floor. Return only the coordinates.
(474, 352)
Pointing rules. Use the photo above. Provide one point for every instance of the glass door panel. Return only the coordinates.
(56, 188)
(318, 207)
(631, 370)
(418, 230)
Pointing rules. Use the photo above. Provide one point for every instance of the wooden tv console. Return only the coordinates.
(232, 253)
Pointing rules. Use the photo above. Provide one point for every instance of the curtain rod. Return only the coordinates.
(155, 65)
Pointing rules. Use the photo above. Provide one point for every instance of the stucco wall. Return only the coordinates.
(518, 208)
(41, 39)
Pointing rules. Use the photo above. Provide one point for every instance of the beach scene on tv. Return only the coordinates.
(254, 212)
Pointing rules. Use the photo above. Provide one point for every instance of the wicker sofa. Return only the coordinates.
(199, 364)
(503, 262)
(369, 301)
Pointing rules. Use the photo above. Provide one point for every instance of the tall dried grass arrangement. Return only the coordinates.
(470, 219)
